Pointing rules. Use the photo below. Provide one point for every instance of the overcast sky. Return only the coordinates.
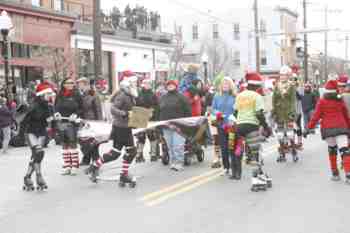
(337, 18)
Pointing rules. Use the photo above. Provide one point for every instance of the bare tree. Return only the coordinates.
(219, 56)
(177, 55)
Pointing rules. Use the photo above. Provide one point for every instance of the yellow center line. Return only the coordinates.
(182, 190)
(177, 186)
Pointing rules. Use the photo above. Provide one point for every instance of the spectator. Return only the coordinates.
(6, 120)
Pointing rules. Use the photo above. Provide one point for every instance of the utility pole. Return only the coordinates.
(346, 48)
(97, 39)
(326, 45)
(257, 36)
(306, 68)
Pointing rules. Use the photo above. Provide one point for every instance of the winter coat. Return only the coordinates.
(174, 105)
(333, 115)
(6, 116)
(195, 102)
(35, 121)
(284, 105)
(92, 109)
(224, 104)
(67, 105)
(122, 103)
(147, 99)
(308, 101)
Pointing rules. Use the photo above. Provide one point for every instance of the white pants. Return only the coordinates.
(340, 141)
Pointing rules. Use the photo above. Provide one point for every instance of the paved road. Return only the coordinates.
(198, 200)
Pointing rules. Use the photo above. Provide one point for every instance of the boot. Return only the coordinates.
(238, 168)
(153, 152)
(334, 167)
(233, 168)
(40, 182)
(28, 183)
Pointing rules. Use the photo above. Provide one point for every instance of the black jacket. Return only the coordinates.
(35, 121)
(174, 105)
(6, 116)
(308, 101)
(122, 103)
(67, 105)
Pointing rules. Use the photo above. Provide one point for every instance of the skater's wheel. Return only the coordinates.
(121, 184)
(132, 185)
(254, 189)
(269, 184)
(200, 155)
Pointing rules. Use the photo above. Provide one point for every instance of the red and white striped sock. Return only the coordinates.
(125, 168)
(66, 159)
(98, 162)
(75, 158)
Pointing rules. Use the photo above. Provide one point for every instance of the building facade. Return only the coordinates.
(229, 40)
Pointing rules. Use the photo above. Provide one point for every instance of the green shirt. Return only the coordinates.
(247, 104)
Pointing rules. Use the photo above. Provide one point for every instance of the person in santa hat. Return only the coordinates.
(335, 122)
(284, 111)
(249, 107)
(122, 101)
(36, 123)
(69, 105)
(147, 99)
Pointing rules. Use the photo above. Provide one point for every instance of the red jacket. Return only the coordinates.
(195, 102)
(332, 113)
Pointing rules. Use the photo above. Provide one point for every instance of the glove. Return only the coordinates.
(219, 116)
(57, 116)
(73, 117)
(306, 133)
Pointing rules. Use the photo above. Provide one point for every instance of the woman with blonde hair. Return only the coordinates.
(222, 109)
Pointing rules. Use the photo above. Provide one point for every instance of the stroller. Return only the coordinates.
(196, 132)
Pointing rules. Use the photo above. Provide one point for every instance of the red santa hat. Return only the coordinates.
(172, 82)
(342, 80)
(44, 88)
(254, 78)
(331, 86)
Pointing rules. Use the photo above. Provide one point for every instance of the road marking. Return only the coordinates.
(182, 190)
(177, 186)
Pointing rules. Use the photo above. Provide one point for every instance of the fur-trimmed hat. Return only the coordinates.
(44, 88)
(331, 86)
(254, 78)
(342, 80)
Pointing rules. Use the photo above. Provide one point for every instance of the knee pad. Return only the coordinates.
(130, 154)
(333, 150)
(344, 151)
(38, 154)
(114, 154)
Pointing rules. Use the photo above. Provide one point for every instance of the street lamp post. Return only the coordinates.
(5, 26)
(205, 59)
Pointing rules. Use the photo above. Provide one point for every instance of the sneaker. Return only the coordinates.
(74, 171)
(66, 171)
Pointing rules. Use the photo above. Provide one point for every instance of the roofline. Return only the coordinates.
(288, 11)
(36, 11)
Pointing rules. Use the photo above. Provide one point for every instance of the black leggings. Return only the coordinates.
(122, 137)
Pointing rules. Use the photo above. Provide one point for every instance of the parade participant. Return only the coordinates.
(6, 120)
(36, 122)
(308, 102)
(69, 104)
(284, 111)
(147, 99)
(335, 122)
(222, 109)
(249, 109)
(298, 111)
(174, 105)
(341, 81)
(122, 102)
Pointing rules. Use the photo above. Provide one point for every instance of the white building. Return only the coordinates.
(228, 39)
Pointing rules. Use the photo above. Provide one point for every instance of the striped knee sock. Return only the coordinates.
(75, 158)
(125, 168)
(66, 159)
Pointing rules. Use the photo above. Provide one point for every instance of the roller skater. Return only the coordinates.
(284, 114)
(335, 123)
(147, 99)
(68, 109)
(35, 123)
(250, 117)
(123, 141)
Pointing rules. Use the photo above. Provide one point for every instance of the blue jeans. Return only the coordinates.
(176, 145)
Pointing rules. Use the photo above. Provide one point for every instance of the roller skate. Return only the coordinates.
(126, 179)
(281, 159)
(93, 171)
(263, 176)
(28, 184)
(347, 179)
(40, 183)
(66, 171)
(258, 184)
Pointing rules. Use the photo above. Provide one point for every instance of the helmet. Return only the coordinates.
(129, 85)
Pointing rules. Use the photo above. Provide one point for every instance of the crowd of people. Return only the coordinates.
(240, 115)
